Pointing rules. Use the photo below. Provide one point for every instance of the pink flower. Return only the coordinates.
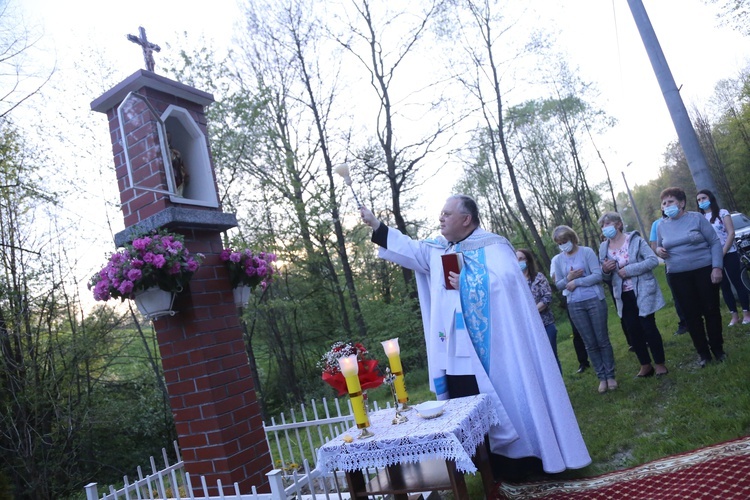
(192, 265)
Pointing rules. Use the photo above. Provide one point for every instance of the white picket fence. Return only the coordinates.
(293, 445)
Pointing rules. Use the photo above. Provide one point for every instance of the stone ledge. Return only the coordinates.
(178, 218)
(143, 78)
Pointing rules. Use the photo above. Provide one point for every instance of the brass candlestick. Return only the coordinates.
(389, 379)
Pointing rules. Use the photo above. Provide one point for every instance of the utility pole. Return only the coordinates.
(635, 207)
(682, 124)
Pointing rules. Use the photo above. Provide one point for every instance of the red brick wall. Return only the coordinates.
(206, 368)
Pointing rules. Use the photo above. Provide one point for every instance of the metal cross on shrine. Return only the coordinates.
(148, 47)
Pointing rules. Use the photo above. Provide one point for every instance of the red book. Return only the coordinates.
(452, 262)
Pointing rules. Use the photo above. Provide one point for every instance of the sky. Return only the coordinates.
(598, 36)
(603, 37)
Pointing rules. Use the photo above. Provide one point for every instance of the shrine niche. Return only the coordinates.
(188, 159)
(173, 149)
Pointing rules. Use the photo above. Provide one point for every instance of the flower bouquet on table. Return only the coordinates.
(158, 260)
(249, 269)
(369, 375)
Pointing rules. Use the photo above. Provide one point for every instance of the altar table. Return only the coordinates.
(418, 455)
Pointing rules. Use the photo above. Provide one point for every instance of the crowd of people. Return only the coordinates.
(489, 328)
(698, 250)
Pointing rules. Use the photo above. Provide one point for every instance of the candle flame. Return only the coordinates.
(348, 365)
(391, 347)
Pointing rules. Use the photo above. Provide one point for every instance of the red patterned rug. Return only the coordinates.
(719, 471)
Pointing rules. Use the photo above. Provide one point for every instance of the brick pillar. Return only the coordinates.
(211, 392)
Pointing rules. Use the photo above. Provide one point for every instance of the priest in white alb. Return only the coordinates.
(484, 335)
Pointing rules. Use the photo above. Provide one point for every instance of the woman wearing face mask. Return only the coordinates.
(542, 293)
(724, 227)
(628, 261)
(577, 270)
(688, 244)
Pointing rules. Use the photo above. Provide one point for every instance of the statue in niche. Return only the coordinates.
(179, 170)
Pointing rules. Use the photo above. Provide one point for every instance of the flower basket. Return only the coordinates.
(248, 269)
(158, 262)
(154, 302)
(369, 374)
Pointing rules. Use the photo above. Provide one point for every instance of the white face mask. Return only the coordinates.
(566, 247)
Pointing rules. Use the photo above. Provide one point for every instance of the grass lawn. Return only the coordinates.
(650, 418)
(646, 419)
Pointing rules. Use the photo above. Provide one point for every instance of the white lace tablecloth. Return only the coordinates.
(454, 435)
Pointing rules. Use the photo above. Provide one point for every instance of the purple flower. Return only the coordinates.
(225, 254)
(125, 287)
(101, 290)
(250, 271)
(159, 261)
(175, 268)
(235, 257)
(149, 257)
(134, 274)
(141, 243)
(192, 265)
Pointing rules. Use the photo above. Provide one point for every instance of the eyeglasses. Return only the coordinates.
(445, 215)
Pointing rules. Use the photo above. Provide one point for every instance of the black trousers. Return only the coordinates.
(699, 299)
(503, 468)
(644, 334)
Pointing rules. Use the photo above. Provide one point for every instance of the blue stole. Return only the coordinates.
(475, 303)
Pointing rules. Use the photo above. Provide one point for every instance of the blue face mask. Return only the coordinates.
(522, 265)
(566, 247)
(671, 211)
(609, 232)
(704, 204)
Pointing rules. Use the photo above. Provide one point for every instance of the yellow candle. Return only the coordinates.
(350, 370)
(358, 401)
(393, 352)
